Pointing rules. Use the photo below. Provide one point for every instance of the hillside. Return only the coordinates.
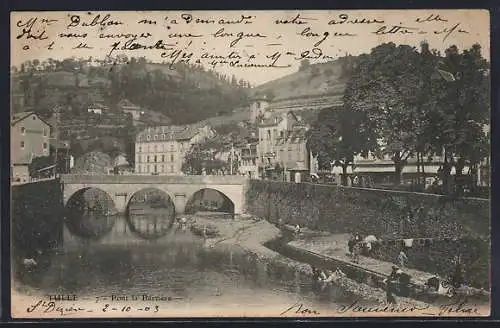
(310, 89)
(310, 81)
(184, 93)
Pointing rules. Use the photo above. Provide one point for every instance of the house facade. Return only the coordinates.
(258, 107)
(30, 136)
(249, 157)
(160, 150)
(282, 141)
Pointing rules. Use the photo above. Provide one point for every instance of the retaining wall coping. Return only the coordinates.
(388, 191)
(152, 179)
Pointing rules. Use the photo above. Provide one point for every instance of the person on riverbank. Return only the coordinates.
(392, 283)
(182, 224)
(456, 277)
(297, 230)
(369, 243)
(316, 280)
(402, 258)
(353, 240)
(350, 244)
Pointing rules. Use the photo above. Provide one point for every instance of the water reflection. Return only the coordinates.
(150, 213)
(178, 266)
(90, 213)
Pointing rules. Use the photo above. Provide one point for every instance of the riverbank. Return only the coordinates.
(251, 234)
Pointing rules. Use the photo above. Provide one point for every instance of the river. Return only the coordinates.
(180, 268)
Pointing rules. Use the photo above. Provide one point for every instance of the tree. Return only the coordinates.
(36, 62)
(270, 95)
(384, 87)
(38, 167)
(338, 135)
(197, 160)
(422, 104)
(462, 110)
(328, 72)
(304, 64)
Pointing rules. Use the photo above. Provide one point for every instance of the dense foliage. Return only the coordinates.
(201, 159)
(338, 135)
(413, 103)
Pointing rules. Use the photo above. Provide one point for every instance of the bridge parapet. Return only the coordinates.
(154, 179)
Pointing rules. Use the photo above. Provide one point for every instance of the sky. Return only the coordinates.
(256, 46)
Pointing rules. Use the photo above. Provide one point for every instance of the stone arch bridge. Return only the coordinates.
(180, 189)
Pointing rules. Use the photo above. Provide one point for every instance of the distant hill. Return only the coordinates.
(310, 81)
(184, 93)
(236, 116)
(310, 89)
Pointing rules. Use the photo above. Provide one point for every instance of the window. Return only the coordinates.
(163, 158)
(23, 130)
(45, 146)
(33, 117)
(171, 147)
(148, 159)
(139, 149)
(156, 148)
(268, 134)
(148, 137)
(156, 158)
(171, 168)
(258, 104)
(156, 169)
(44, 132)
(22, 144)
(156, 137)
(171, 157)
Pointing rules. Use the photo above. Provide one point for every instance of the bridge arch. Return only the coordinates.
(150, 213)
(90, 213)
(211, 199)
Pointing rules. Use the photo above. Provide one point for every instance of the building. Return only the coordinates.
(282, 141)
(249, 158)
(258, 107)
(160, 150)
(30, 137)
(291, 151)
(96, 108)
(127, 107)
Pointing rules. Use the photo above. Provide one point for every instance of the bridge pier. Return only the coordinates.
(180, 203)
(120, 200)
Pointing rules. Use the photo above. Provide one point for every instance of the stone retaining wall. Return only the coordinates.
(387, 214)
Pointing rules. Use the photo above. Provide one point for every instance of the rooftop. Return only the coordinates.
(17, 117)
(276, 118)
(171, 132)
(297, 135)
(127, 104)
